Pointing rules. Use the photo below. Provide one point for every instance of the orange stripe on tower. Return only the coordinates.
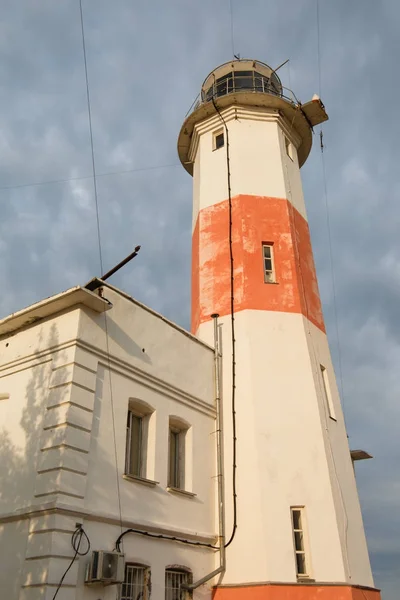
(295, 592)
(255, 220)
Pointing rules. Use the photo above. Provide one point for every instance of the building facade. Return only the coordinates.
(216, 462)
(63, 381)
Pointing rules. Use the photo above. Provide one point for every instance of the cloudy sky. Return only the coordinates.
(146, 62)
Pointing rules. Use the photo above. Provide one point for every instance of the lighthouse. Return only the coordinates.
(293, 522)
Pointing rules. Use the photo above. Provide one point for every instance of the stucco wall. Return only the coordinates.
(283, 455)
(58, 454)
(259, 164)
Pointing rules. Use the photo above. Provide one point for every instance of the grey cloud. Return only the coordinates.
(146, 63)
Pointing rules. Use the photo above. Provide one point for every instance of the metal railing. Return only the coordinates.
(242, 83)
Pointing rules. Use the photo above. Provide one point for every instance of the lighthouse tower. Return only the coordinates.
(296, 524)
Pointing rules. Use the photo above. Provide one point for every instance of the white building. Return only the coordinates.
(111, 413)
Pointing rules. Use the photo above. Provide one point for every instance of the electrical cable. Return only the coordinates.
(232, 37)
(76, 540)
(318, 50)
(91, 136)
(161, 536)
(325, 188)
(336, 317)
(232, 307)
(101, 259)
(68, 179)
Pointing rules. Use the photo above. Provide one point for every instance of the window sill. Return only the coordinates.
(141, 480)
(305, 579)
(178, 491)
(271, 282)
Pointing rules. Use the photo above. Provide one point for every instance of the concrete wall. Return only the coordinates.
(287, 455)
(27, 363)
(66, 382)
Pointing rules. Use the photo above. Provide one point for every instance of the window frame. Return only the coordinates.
(144, 594)
(289, 148)
(217, 134)
(304, 550)
(142, 411)
(178, 478)
(327, 393)
(129, 438)
(177, 481)
(272, 277)
(178, 570)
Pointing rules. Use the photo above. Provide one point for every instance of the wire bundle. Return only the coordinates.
(76, 540)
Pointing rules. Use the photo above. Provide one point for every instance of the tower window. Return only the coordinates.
(218, 139)
(327, 393)
(268, 258)
(302, 567)
(289, 148)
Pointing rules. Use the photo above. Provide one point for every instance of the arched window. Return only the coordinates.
(176, 578)
(137, 584)
(137, 429)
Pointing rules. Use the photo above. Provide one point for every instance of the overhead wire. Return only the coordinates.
(328, 222)
(233, 339)
(232, 31)
(91, 137)
(100, 258)
(83, 177)
(336, 317)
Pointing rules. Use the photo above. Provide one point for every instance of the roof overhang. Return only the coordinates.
(302, 117)
(50, 306)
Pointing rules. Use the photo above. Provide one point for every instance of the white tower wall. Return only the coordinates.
(292, 448)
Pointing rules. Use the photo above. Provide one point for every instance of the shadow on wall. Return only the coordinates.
(19, 452)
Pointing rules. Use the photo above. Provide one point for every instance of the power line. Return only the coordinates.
(232, 36)
(100, 257)
(335, 310)
(83, 177)
(91, 136)
(328, 224)
(319, 50)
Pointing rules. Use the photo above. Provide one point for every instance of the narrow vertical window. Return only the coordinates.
(137, 462)
(218, 139)
(327, 393)
(134, 446)
(268, 263)
(176, 478)
(289, 148)
(302, 567)
(136, 584)
(175, 579)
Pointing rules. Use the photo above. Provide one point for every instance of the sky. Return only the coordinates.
(146, 62)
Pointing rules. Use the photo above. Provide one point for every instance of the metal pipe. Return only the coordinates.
(220, 464)
(121, 264)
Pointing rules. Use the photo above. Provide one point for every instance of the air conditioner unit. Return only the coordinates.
(106, 568)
